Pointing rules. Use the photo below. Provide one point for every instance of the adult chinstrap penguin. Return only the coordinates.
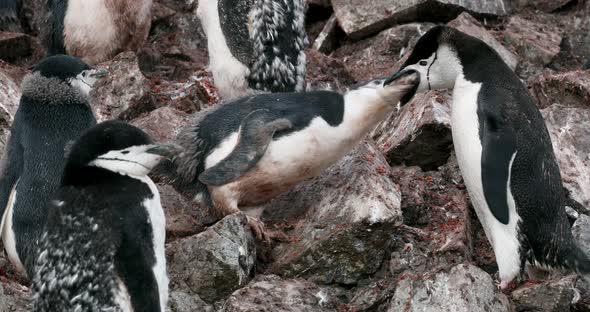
(245, 152)
(95, 30)
(103, 245)
(504, 153)
(9, 12)
(255, 45)
(52, 113)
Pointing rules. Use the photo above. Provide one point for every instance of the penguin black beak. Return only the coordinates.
(99, 73)
(402, 73)
(165, 150)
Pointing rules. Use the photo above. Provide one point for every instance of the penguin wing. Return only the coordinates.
(256, 132)
(498, 141)
(10, 169)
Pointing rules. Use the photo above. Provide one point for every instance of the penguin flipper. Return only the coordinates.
(10, 170)
(498, 151)
(256, 132)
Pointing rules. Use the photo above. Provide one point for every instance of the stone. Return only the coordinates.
(569, 128)
(581, 232)
(340, 221)
(543, 5)
(182, 5)
(14, 297)
(571, 89)
(14, 46)
(359, 18)
(372, 296)
(534, 42)
(268, 293)
(549, 296)
(469, 25)
(420, 135)
(182, 217)
(378, 56)
(182, 302)
(463, 288)
(214, 263)
(325, 72)
(326, 40)
(124, 93)
(189, 96)
(162, 124)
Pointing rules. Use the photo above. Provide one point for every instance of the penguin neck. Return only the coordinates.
(51, 91)
(81, 176)
(480, 63)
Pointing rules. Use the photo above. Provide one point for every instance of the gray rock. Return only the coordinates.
(571, 89)
(348, 214)
(360, 18)
(183, 302)
(372, 296)
(124, 94)
(182, 216)
(535, 42)
(162, 124)
(543, 5)
(326, 72)
(214, 263)
(420, 135)
(465, 288)
(14, 46)
(581, 231)
(9, 99)
(469, 25)
(269, 293)
(569, 128)
(14, 297)
(550, 296)
(326, 40)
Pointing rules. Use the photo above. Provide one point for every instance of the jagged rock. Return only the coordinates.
(569, 128)
(378, 56)
(14, 46)
(182, 5)
(571, 89)
(325, 72)
(162, 124)
(214, 263)
(183, 302)
(267, 293)
(534, 42)
(348, 214)
(581, 231)
(124, 93)
(189, 95)
(371, 297)
(359, 18)
(550, 296)
(182, 217)
(469, 25)
(543, 5)
(326, 40)
(10, 90)
(464, 288)
(420, 135)
(14, 297)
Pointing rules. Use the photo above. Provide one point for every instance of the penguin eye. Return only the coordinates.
(423, 63)
(83, 74)
(125, 152)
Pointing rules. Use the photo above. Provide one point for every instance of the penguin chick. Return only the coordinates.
(245, 152)
(255, 45)
(95, 30)
(504, 152)
(53, 111)
(103, 245)
(9, 20)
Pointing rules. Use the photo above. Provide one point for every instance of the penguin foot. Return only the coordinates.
(259, 229)
(507, 287)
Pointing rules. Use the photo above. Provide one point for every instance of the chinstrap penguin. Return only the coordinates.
(95, 30)
(103, 246)
(245, 152)
(9, 11)
(504, 153)
(255, 45)
(53, 112)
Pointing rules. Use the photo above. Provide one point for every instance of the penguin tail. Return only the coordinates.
(9, 20)
(279, 39)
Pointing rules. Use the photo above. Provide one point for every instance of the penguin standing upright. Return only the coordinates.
(9, 20)
(103, 245)
(504, 152)
(53, 112)
(255, 45)
(244, 153)
(95, 30)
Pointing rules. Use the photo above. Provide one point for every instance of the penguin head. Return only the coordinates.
(118, 147)
(435, 59)
(69, 70)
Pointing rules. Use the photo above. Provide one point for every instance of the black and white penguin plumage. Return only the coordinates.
(9, 11)
(504, 153)
(103, 245)
(255, 45)
(243, 153)
(53, 112)
(95, 30)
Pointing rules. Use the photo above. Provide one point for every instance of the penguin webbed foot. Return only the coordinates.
(259, 229)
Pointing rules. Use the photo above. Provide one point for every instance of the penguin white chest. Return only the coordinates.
(468, 148)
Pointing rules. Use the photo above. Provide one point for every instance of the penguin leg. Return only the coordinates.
(256, 132)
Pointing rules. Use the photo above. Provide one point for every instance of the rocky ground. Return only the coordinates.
(388, 228)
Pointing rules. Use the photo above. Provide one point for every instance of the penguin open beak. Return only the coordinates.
(98, 73)
(402, 73)
(165, 150)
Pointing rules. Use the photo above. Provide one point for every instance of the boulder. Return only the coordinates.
(534, 42)
(162, 124)
(14, 297)
(543, 5)
(189, 96)
(10, 91)
(326, 40)
(340, 221)
(359, 18)
(14, 46)
(182, 217)
(581, 232)
(372, 296)
(269, 293)
(420, 135)
(549, 296)
(325, 72)
(469, 25)
(214, 263)
(569, 128)
(182, 302)
(464, 288)
(571, 89)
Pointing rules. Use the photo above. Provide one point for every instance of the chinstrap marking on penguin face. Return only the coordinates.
(134, 160)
